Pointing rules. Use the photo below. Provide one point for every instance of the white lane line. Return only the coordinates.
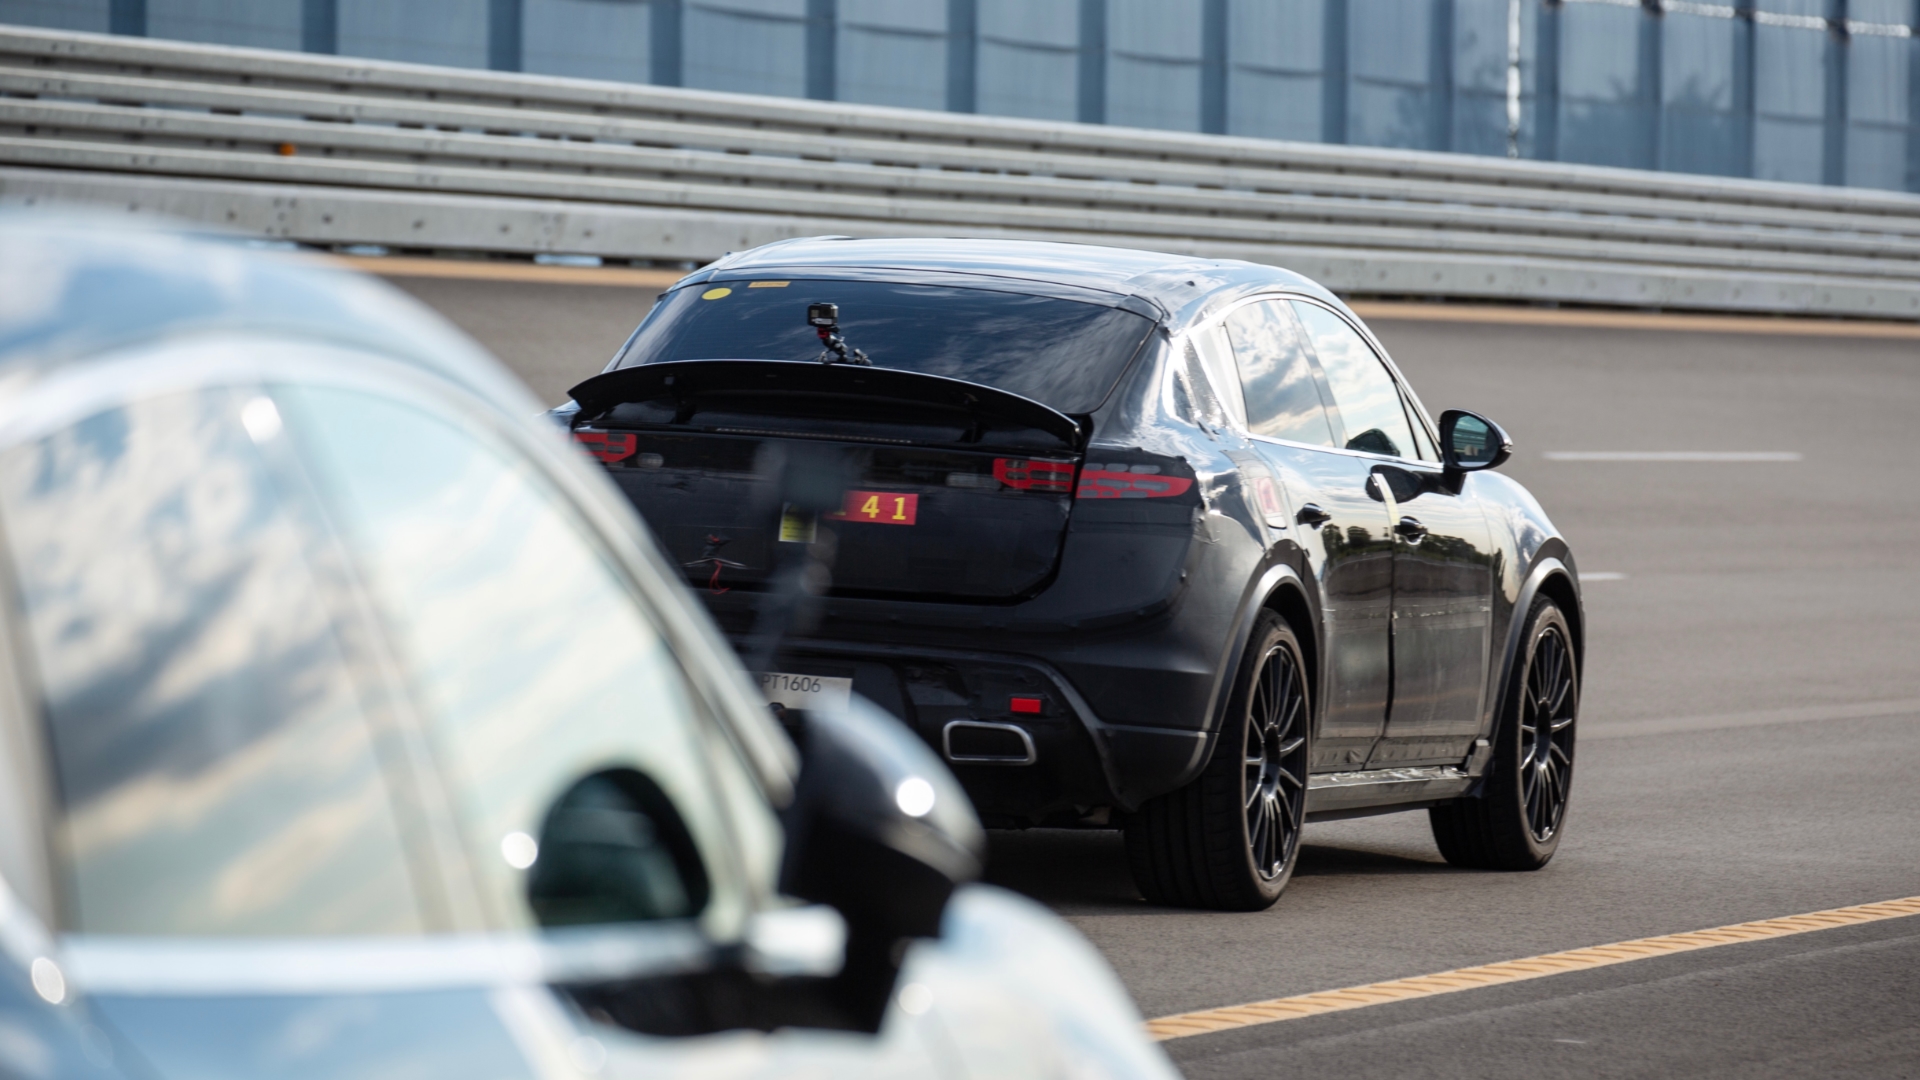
(1602, 575)
(1674, 725)
(1673, 455)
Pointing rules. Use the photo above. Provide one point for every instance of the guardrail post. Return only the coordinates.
(1833, 157)
(1213, 66)
(823, 31)
(1092, 105)
(1745, 102)
(504, 28)
(1546, 83)
(1913, 105)
(963, 55)
(1652, 41)
(663, 43)
(1333, 72)
(1440, 77)
(320, 26)
(127, 17)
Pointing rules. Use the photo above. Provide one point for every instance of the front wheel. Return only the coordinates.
(1229, 839)
(1516, 822)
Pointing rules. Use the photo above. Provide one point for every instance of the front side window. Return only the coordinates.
(217, 774)
(569, 732)
(1061, 353)
(1276, 375)
(1363, 391)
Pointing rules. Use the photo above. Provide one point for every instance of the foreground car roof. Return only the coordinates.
(1173, 283)
(72, 287)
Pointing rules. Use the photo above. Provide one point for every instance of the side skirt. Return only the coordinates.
(1331, 796)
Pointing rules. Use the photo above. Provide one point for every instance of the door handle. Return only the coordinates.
(1312, 515)
(1411, 530)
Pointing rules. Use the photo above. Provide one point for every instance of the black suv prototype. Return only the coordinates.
(1132, 539)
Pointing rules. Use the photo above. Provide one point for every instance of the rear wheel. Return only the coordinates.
(1229, 839)
(1516, 822)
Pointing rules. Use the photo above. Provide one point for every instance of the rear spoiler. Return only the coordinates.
(685, 380)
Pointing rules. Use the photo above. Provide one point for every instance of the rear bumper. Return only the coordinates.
(1078, 764)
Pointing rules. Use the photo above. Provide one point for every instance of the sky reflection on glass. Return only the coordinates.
(1283, 400)
(1369, 402)
(216, 771)
(536, 665)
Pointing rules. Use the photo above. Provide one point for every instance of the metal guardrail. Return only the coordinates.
(337, 151)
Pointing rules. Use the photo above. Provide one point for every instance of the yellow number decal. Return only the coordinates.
(899, 509)
(870, 508)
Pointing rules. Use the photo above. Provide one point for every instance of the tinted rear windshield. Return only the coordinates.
(1062, 353)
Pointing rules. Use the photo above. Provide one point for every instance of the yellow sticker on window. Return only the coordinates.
(797, 526)
(715, 294)
(768, 284)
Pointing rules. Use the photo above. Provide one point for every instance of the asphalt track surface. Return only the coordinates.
(1750, 730)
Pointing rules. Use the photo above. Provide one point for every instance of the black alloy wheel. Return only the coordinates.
(1230, 839)
(1517, 820)
(1276, 780)
(1546, 734)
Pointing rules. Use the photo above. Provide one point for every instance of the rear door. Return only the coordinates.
(1342, 525)
(1443, 555)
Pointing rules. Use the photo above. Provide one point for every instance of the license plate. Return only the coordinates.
(806, 691)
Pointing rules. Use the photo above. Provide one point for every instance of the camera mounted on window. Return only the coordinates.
(825, 320)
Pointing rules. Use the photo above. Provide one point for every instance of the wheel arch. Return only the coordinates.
(1555, 579)
(1280, 590)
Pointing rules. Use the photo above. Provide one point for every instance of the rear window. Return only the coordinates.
(1062, 353)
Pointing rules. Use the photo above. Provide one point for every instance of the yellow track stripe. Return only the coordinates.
(1208, 1021)
(503, 270)
(1598, 318)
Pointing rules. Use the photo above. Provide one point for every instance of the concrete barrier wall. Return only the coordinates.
(332, 151)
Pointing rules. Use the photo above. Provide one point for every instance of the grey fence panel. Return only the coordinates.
(334, 151)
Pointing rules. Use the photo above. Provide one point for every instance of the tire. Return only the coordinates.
(1229, 840)
(1517, 820)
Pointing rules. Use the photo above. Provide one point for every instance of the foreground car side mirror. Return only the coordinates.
(880, 831)
(1469, 441)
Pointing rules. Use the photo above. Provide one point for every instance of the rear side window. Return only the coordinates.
(1061, 353)
(1276, 375)
(216, 771)
(559, 714)
(1366, 395)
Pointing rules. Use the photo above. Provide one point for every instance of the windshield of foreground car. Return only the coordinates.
(1062, 353)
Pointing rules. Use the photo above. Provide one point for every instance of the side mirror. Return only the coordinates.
(879, 830)
(1469, 441)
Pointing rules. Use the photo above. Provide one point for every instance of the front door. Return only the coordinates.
(1442, 602)
(1442, 572)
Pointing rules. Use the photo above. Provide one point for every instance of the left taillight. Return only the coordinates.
(608, 446)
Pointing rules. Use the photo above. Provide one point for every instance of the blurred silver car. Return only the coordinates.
(351, 725)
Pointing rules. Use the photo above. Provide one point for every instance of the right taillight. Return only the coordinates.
(1034, 474)
(1133, 480)
(606, 446)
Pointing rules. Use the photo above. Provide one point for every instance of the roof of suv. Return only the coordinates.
(1174, 283)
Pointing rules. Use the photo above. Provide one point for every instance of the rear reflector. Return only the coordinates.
(608, 447)
(1129, 482)
(1024, 704)
(1026, 474)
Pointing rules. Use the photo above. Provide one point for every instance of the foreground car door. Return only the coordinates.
(1443, 558)
(219, 760)
(301, 803)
